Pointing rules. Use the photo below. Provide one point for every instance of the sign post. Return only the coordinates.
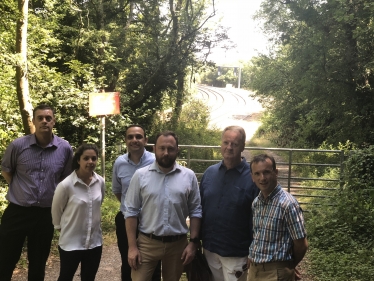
(102, 104)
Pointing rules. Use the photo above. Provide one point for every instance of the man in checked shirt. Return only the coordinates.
(279, 235)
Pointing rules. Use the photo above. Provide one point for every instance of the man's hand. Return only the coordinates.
(297, 274)
(249, 263)
(134, 258)
(189, 253)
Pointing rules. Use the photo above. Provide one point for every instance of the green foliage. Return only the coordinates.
(220, 76)
(144, 51)
(337, 266)
(109, 210)
(359, 170)
(341, 236)
(3, 201)
(316, 80)
(75, 48)
(193, 129)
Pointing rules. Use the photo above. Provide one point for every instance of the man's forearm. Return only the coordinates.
(118, 195)
(7, 176)
(131, 227)
(195, 227)
(300, 247)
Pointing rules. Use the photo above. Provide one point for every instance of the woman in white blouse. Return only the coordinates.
(76, 214)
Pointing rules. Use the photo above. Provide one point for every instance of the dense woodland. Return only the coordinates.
(146, 50)
(317, 78)
(315, 81)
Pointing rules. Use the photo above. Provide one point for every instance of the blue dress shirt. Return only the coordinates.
(163, 201)
(226, 198)
(123, 170)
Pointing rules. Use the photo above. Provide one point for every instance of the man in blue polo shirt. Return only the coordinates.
(123, 170)
(227, 192)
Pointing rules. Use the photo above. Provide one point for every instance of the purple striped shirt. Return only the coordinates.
(277, 221)
(36, 170)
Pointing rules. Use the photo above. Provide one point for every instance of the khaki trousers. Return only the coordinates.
(272, 271)
(152, 251)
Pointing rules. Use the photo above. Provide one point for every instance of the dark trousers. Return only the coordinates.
(89, 260)
(123, 247)
(17, 224)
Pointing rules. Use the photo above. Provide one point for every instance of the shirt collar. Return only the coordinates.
(53, 142)
(154, 167)
(76, 179)
(276, 191)
(127, 157)
(239, 168)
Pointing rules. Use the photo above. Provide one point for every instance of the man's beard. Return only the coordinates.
(165, 162)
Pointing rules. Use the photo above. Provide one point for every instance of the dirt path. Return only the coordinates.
(110, 267)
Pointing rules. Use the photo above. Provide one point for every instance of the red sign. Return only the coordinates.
(104, 103)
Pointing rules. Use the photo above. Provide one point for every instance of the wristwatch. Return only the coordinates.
(195, 240)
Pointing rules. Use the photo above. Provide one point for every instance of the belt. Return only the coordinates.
(272, 265)
(165, 239)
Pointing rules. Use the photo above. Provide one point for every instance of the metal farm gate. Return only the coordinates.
(311, 175)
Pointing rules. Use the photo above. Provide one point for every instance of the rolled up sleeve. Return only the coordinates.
(194, 200)
(133, 200)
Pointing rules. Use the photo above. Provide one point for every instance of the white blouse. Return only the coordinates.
(76, 211)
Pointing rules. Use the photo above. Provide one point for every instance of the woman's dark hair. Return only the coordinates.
(78, 153)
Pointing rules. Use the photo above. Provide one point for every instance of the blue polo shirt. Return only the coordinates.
(226, 199)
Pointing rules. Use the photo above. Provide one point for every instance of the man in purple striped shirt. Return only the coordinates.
(279, 235)
(32, 165)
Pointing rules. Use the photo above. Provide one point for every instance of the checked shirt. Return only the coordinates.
(277, 221)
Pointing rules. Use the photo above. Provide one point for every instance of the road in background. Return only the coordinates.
(231, 106)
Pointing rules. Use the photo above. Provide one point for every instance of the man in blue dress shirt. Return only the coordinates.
(123, 170)
(161, 196)
(227, 192)
(32, 165)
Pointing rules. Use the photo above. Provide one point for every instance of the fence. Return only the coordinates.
(294, 171)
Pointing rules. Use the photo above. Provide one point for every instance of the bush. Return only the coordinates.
(341, 237)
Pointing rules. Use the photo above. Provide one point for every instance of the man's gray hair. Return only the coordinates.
(238, 129)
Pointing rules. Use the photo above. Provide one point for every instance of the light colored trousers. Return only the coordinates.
(152, 251)
(226, 268)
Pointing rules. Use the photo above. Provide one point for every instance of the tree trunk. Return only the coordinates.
(179, 100)
(21, 69)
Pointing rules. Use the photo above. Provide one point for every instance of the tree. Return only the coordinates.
(317, 79)
(146, 50)
(22, 73)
